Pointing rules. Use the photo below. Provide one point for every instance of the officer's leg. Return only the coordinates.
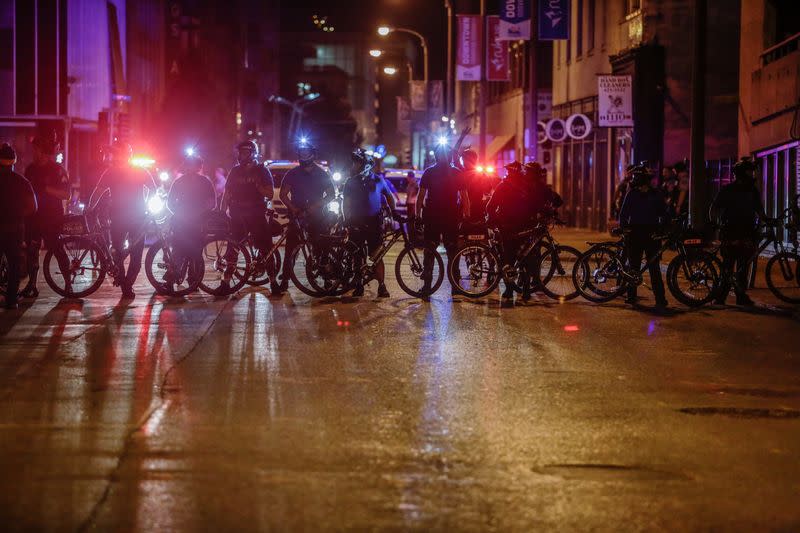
(742, 256)
(118, 230)
(135, 264)
(728, 264)
(431, 235)
(292, 240)
(656, 280)
(635, 252)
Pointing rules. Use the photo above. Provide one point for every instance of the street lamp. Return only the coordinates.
(391, 71)
(383, 31)
(376, 53)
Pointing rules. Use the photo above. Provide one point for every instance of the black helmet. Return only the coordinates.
(469, 156)
(249, 145)
(306, 151)
(640, 175)
(7, 155)
(48, 146)
(364, 161)
(533, 170)
(514, 169)
(744, 169)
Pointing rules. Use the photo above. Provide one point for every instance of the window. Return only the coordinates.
(631, 6)
(579, 29)
(590, 16)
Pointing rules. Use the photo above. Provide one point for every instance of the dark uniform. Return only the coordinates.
(247, 206)
(442, 208)
(44, 227)
(15, 203)
(190, 198)
(644, 213)
(479, 189)
(363, 200)
(307, 185)
(738, 207)
(127, 215)
(512, 209)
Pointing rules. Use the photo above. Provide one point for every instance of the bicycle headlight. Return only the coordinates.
(155, 205)
(333, 207)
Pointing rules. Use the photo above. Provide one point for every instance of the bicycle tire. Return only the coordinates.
(194, 273)
(454, 272)
(415, 262)
(215, 262)
(583, 273)
(263, 276)
(557, 272)
(306, 268)
(83, 248)
(782, 271)
(708, 270)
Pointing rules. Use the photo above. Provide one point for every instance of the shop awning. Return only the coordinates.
(497, 144)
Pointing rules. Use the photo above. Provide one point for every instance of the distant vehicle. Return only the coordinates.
(396, 178)
(278, 169)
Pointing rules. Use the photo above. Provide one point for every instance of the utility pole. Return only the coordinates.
(483, 87)
(533, 92)
(448, 79)
(698, 192)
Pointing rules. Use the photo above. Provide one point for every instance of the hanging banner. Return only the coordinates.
(515, 19)
(436, 97)
(553, 19)
(497, 65)
(615, 101)
(403, 116)
(470, 37)
(419, 99)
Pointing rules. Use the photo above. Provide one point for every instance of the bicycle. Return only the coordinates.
(87, 243)
(419, 268)
(540, 264)
(603, 273)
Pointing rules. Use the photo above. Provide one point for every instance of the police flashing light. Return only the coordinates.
(163, 175)
(142, 161)
(189, 151)
(442, 141)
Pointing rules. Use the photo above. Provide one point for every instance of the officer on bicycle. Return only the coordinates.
(305, 191)
(479, 186)
(642, 214)
(127, 186)
(512, 210)
(17, 204)
(191, 198)
(545, 199)
(248, 191)
(738, 210)
(364, 194)
(443, 200)
(51, 185)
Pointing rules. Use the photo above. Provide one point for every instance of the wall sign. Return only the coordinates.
(515, 20)
(615, 101)
(556, 130)
(579, 126)
(553, 19)
(470, 47)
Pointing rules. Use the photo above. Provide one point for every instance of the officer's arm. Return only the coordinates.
(624, 210)
(328, 195)
(223, 203)
(347, 203)
(286, 191)
(465, 205)
(173, 199)
(29, 206)
(390, 199)
(421, 196)
(265, 186)
(62, 190)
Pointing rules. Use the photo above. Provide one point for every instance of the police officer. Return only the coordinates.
(643, 212)
(545, 199)
(442, 199)
(480, 185)
(511, 209)
(17, 203)
(128, 187)
(364, 194)
(304, 191)
(248, 191)
(51, 186)
(190, 199)
(738, 209)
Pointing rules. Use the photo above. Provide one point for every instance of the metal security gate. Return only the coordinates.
(780, 185)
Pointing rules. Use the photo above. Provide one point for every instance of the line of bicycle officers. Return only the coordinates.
(453, 199)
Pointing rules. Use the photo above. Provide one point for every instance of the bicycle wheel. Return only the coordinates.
(85, 272)
(783, 276)
(474, 271)
(305, 271)
(263, 271)
(226, 267)
(410, 270)
(693, 280)
(555, 272)
(168, 276)
(596, 275)
(341, 268)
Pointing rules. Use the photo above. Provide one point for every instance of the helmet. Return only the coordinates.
(365, 162)
(193, 162)
(469, 156)
(306, 151)
(640, 176)
(535, 171)
(46, 145)
(514, 169)
(120, 151)
(744, 169)
(248, 146)
(7, 155)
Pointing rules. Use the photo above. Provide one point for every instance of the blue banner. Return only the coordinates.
(515, 20)
(553, 20)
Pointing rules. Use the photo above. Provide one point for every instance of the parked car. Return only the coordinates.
(396, 178)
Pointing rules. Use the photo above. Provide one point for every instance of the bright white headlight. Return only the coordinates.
(155, 205)
(333, 207)
(337, 176)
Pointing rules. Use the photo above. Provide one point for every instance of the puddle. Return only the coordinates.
(742, 412)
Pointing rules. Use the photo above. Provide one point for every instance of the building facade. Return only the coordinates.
(769, 88)
(650, 40)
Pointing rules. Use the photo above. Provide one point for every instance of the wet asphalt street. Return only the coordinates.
(255, 413)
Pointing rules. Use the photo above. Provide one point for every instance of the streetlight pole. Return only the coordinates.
(386, 30)
(698, 202)
(483, 87)
(448, 79)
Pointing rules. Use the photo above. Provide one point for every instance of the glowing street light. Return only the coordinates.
(391, 71)
(383, 31)
(376, 53)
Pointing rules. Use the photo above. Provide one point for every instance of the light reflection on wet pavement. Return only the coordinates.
(256, 413)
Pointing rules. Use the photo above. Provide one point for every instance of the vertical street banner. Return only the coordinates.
(436, 97)
(403, 116)
(515, 19)
(470, 45)
(615, 101)
(419, 99)
(497, 66)
(553, 19)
